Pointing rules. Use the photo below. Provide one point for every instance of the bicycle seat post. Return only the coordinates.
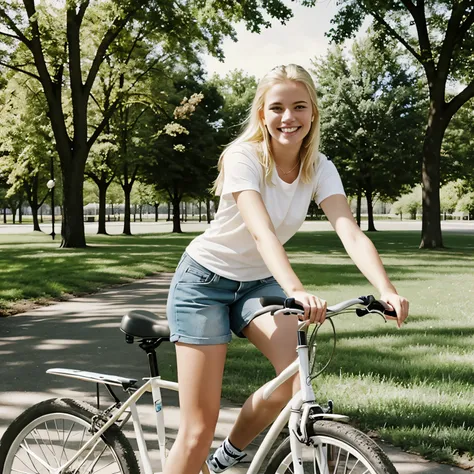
(149, 347)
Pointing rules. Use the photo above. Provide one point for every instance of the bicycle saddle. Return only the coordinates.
(144, 325)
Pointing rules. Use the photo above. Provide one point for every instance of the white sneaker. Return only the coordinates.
(223, 461)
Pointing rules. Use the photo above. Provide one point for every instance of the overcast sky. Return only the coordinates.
(299, 41)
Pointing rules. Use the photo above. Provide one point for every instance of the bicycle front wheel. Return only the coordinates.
(336, 449)
(47, 435)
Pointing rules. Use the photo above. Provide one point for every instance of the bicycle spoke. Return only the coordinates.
(107, 465)
(96, 460)
(29, 457)
(347, 462)
(337, 461)
(23, 472)
(40, 446)
(64, 443)
(49, 468)
(23, 462)
(52, 445)
(352, 470)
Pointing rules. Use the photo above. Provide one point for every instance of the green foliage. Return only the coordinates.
(65, 45)
(26, 139)
(450, 194)
(457, 154)
(185, 163)
(439, 35)
(409, 203)
(143, 194)
(371, 125)
(237, 90)
(466, 204)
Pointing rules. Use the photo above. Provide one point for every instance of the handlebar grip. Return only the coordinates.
(292, 304)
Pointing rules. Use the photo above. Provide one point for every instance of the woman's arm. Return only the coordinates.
(258, 222)
(363, 252)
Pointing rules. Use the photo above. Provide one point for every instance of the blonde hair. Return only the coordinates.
(256, 133)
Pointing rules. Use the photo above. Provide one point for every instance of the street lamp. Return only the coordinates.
(50, 184)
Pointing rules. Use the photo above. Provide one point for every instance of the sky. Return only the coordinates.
(299, 41)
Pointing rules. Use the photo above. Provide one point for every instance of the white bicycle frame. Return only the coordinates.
(293, 414)
(296, 413)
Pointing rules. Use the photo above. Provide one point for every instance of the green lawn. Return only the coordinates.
(413, 387)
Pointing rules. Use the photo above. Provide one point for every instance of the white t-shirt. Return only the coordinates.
(227, 247)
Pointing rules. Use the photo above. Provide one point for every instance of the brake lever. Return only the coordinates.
(289, 311)
(364, 311)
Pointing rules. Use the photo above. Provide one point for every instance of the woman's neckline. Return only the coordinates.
(286, 183)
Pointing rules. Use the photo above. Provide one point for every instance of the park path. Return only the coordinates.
(162, 226)
(83, 333)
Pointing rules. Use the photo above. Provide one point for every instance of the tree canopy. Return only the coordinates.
(439, 35)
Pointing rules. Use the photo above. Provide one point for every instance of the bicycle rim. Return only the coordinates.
(50, 441)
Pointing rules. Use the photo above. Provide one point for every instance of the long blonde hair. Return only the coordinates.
(256, 133)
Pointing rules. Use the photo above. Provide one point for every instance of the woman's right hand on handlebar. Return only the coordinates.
(314, 307)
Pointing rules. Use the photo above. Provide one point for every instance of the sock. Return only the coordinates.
(226, 455)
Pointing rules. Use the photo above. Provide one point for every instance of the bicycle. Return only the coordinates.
(65, 436)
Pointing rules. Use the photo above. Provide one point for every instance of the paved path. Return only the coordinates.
(83, 333)
(115, 228)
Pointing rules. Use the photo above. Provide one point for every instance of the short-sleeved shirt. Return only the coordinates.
(227, 247)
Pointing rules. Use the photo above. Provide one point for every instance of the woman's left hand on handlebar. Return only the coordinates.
(399, 304)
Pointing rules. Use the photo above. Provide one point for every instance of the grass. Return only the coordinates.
(412, 387)
(34, 269)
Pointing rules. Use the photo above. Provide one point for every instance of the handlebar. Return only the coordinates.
(287, 306)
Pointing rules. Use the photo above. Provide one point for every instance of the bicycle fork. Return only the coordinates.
(301, 411)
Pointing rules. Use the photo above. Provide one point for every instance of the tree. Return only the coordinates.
(183, 157)
(457, 153)
(64, 47)
(439, 35)
(466, 204)
(409, 203)
(98, 169)
(371, 122)
(26, 143)
(142, 195)
(237, 89)
(450, 194)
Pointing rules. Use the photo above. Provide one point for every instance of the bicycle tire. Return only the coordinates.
(46, 433)
(340, 447)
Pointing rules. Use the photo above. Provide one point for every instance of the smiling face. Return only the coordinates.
(287, 113)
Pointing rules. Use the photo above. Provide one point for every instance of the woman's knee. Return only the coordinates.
(196, 438)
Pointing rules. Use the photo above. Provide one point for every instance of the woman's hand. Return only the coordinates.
(314, 307)
(397, 303)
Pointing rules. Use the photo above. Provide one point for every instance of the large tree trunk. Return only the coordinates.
(431, 236)
(370, 209)
(208, 210)
(103, 186)
(359, 205)
(127, 229)
(176, 216)
(370, 213)
(72, 230)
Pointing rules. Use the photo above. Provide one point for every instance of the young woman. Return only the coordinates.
(267, 179)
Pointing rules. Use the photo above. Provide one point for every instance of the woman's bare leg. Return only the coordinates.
(276, 338)
(200, 370)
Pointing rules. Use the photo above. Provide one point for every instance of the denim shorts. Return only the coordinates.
(203, 307)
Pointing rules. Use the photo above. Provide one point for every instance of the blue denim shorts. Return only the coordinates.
(203, 307)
